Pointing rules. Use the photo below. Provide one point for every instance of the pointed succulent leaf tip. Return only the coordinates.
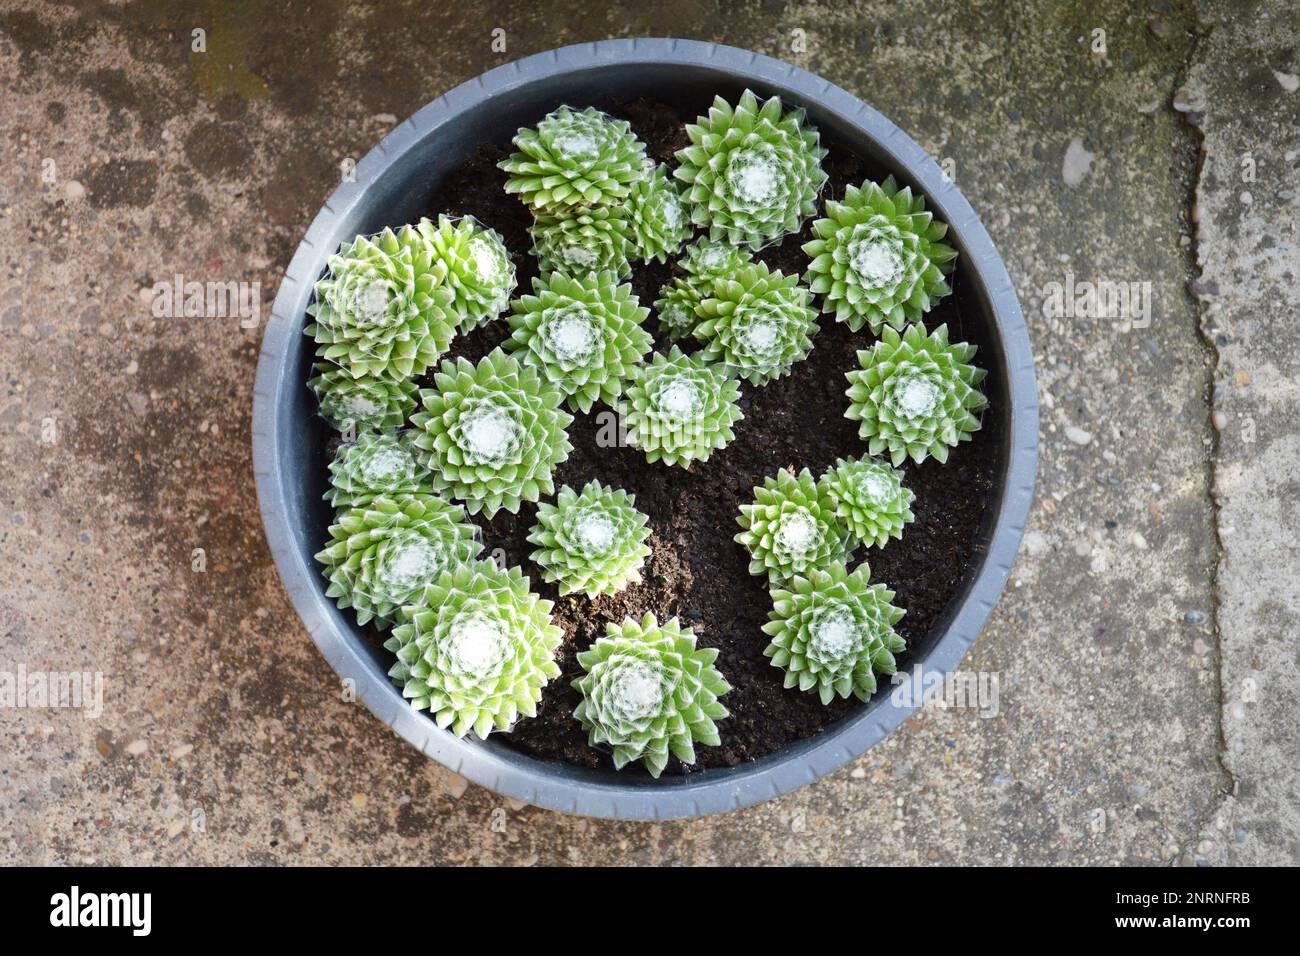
(756, 323)
(679, 408)
(833, 632)
(382, 554)
(474, 265)
(792, 527)
(878, 258)
(702, 262)
(584, 240)
(383, 307)
(660, 221)
(583, 334)
(373, 465)
(491, 434)
(475, 648)
(357, 404)
(754, 171)
(648, 692)
(870, 498)
(915, 395)
(592, 542)
(575, 159)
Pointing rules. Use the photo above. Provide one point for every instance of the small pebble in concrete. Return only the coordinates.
(1077, 435)
(137, 748)
(1195, 618)
(1077, 162)
(1288, 81)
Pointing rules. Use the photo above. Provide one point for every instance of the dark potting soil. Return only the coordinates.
(697, 571)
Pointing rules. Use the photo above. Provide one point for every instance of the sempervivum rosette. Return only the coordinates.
(915, 394)
(475, 267)
(356, 404)
(382, 554)
(587, 240)
(658, 217)
(582, 333)
(757, 323)
(833, 632)
(878, 258)
(491, 434)
(574, 159)
(592, 542)
(792, 527)
(870, 498)
(702, 262)
(373, 465)
(754, 171)
(679, 408)
(648, 691)
(476, 649)
(381, 308)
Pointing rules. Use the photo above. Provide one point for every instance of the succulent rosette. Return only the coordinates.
(593, 542)
(658, 217)
(754, 171)
(357, 404)
(756, 323)
(574, 159)
(679, 408)
(878, 257)
(475, 267)
(833, 632)
(791, 528)
(587, 240)
(648, 691)
(701, 263)
(870, 498)
(382, 307)
(377, 463)
(476, 649)
(583, 334)
(491, 434)
(382, 554)
(915, 395)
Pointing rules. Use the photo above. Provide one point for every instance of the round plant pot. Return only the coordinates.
(393, 185)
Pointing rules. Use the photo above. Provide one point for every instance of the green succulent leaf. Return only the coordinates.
(475, 266)
(791, 528)
(382, 554)
(870, 498)
(592, 542)
(491, 434)
(659, 219)
(833, 632)
(648, 691)
(357, 404)
(584, 240)
(377, 463)
(475, 649)
(878, 258)
(679, 408)
(756, 323)
(702, 262)
(915, 395)
(382, 308)
(582, 334)
(754, 171)
(575, 159)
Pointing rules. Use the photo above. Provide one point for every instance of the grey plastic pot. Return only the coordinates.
(394, 183)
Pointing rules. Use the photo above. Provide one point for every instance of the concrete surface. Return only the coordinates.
(1146, 652)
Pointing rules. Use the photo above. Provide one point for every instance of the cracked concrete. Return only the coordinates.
(1146, 646)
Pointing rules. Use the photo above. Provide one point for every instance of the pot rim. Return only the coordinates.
(560, 786)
